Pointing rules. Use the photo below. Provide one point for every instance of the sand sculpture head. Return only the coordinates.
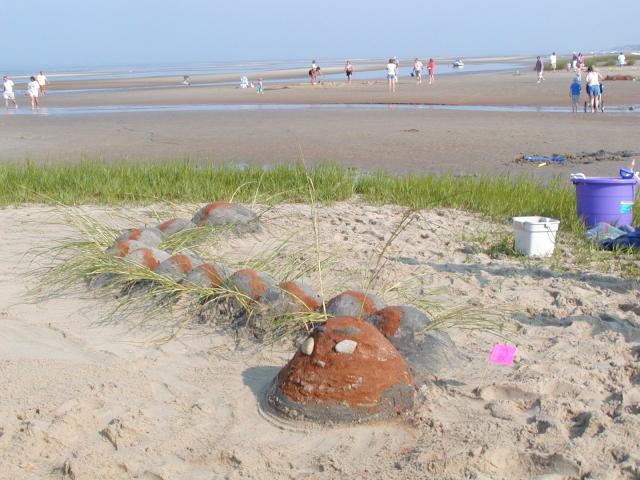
(345, 371)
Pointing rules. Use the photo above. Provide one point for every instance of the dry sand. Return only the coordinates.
(397, 140)
(109, 402)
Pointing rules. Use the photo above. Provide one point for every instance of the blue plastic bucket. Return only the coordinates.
(608, 200)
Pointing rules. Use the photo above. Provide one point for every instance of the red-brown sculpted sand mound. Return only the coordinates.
(354, 303)
(346, 371)
(223, 214)
(302, 295)
(175, 225)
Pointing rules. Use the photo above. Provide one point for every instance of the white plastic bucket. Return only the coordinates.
(535, 236)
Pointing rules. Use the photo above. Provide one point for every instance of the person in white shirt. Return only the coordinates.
(7, 92)
(33, 90)
(392, 70)
(43, 81)
(553, 60)
(622, 60)
(417, 70)
(593, 89)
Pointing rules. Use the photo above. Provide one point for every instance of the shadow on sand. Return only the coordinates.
(608, 282)
(258, 379)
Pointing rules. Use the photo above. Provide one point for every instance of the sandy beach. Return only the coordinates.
(294, 121)
(110, 399)
(87, 395)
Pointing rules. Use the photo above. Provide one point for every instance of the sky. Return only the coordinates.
(74, 33)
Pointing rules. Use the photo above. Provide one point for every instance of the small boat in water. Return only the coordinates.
(458, 64)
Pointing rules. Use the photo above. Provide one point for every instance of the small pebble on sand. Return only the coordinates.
(346, 346)
(307, 346)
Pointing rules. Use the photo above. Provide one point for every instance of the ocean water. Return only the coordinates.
(116, 109)
(254, 69)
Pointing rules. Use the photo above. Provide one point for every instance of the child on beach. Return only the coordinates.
(431, 66)
(575, 89)
(417, 70)
(397, 64)
(391, 75)
(260, 87)
(33, 90)
(7, 92)
(540, 70)
(42, 81)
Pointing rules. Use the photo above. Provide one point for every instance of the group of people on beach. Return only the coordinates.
(393, 67)
(36, 87)
(417, 70)
(594, 89)
(593, 80)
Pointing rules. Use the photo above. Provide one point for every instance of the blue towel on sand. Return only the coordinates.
(628, 240)
(545, 159)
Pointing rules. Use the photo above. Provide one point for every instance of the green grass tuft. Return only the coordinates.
(498, 197)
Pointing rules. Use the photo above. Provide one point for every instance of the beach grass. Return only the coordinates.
(499, 197)
(605, 61)
(595, 61)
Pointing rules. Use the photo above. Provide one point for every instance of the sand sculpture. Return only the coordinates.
(351, 368)
(345, 371)
(208, 275)
(147, 257)
(426, 353)
(219, 214)
(354, 303)
(151, 237)
(178, 266)
(175, 225)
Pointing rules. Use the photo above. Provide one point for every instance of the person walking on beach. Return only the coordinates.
(574, 90)
(593, 89)
(43, 81)
(33, 90)
(313, 72)
(431, 67)
(397, 64)
(540, 69)
(574, 62)
(580, 61)
(621, 60)
(260, 87)
(392, 75)
(417, 70)
(7, 92)
(348, 70)
(553, 60)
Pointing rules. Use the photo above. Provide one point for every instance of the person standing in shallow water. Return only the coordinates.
(593, 89)
(417, 70)
(540, 69)
(391, 75)
(7, 92)
(43, 81)
(431, 67)
(397, 64)
(574, 91)
(33, 90)
(348, 70)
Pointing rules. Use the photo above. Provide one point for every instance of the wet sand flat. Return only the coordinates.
(395, 139)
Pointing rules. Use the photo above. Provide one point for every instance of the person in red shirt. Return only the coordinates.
(431, 66)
